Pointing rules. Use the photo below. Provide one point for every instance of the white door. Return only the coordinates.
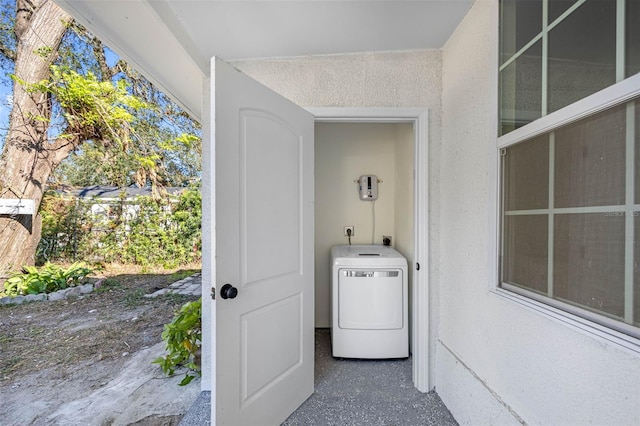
(263, 337)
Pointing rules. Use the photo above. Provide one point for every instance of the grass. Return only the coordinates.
(178, 275)
(134, 297)
(10, 365)
(35, 331)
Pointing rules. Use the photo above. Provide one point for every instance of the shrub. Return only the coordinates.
(47, 279)
(183, 337)
(64, 224)
(144, 231)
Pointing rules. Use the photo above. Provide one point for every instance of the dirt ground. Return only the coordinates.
(86, 360)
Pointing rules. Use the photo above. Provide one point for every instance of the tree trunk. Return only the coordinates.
(28, 157)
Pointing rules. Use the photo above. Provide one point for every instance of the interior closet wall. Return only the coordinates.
(343, 152)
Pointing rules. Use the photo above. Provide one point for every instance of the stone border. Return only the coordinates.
(190, 285)
(56, 295)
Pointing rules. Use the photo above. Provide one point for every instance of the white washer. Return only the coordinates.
(369, 302)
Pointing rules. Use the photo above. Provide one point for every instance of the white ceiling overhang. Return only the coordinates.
(171, 41)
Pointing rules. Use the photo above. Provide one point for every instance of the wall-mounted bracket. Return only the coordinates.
(16, 206)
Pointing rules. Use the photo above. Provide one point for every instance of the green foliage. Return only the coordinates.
(120, 128)
(188, 218)
(47, 279)
(124, 137)
(96, 165)
(123, 132)
(93, 109)
(183, 336)
(44, 51)
(63, 224)
(178, 275)
(165, 148)
(97, 98)
(144, 231)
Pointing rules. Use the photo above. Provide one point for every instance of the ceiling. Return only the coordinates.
(172, 41)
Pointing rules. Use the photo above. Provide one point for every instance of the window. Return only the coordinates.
(570, 210)
(570, 180)
(555, 52)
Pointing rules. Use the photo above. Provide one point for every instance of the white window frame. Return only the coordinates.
(570, 315)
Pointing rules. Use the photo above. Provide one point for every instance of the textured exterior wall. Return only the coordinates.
(391, 79)
(498, 362)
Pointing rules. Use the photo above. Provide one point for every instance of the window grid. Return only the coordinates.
(630, 209)
(630, 213)
(620, 40)
(545, 58)
(551, 225)
(545, 28)
(543, 36)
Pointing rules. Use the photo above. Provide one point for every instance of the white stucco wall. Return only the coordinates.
(498, 362)
(382, 79)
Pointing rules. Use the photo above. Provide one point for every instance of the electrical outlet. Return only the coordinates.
(386, 240)
(346, 228)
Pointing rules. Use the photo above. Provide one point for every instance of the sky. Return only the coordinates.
(6, 93)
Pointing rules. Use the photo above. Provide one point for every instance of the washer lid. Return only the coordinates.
(366, 255)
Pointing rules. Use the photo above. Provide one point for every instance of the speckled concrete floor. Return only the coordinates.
(366, 392)
(354, 393)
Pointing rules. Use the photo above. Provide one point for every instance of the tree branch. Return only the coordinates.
(24, 11)
(7, 52)
(98, 50)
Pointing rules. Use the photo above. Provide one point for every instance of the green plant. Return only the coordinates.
(143, 231)
(47, 279)
(183, 337)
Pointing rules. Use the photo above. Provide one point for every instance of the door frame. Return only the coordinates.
(422, 339)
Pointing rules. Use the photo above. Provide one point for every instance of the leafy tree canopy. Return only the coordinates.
(132, 132)
(79, 116)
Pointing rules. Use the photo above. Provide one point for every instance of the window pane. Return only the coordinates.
(590, 161)
(632, 40)
(526, 165)
(589, 261)
(526, 252)
(582, 53)
(521, 90)
(520, 22)
(558, 7)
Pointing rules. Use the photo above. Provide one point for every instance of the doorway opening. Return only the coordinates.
(390, 143)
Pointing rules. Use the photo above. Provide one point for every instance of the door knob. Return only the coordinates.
(228, 291)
